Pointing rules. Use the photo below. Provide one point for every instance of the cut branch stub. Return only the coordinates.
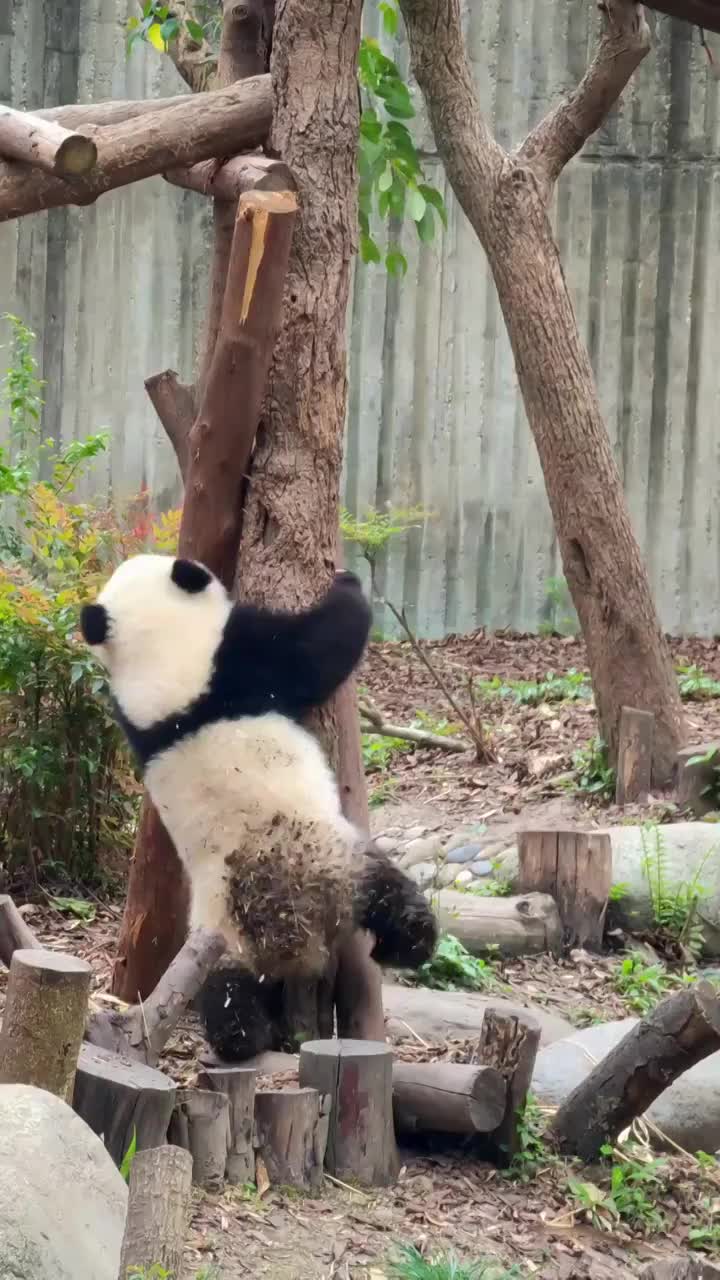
(44, 144)
(509, 1042)
(357, 1076)
(679, 1032)
(575, 868)
(234, 178)
(44, 1020)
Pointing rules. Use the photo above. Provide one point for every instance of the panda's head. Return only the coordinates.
(156, 626)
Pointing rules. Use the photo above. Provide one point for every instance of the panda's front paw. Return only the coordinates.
(344, 578)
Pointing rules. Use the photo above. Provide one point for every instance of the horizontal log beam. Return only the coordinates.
(221, 122)
(77, 114)
(44, 144)
(235, 178)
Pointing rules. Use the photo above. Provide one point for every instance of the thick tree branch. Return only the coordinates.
(174, 404)
(44, 144)
(702, 13)
(77, 114)
(442, 68)
(624, 42)
(220, 123)
(231, 180)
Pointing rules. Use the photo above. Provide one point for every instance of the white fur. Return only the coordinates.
(161, 639)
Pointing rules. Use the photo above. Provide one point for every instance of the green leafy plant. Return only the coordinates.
(674, 906)
(409, 1264)
(711, 760)
(630, 1195)
(491, 888)
(704, 1235)
(453, 968)
(642, 985)
(572, 686)
(594, 775)
(533, 1154)
(382, 793)
(379, 751)
(560, 616)
(618, 891)
(85, 911)
(127, 1160)
(695, 685)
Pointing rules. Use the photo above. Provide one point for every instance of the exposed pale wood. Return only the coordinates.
(447, 1097)
(291, 1136)
(118, 1097)
(43, 1021)
(509, 1042)
(357, 1075)
(575, 867)
(14, 932)
(222, 122)
(696, 782)
(679, 1032)
(634, 766)
(373, 721)
(519, 926)
(45, 144)
(238, 1085)
(158, 1210)
(233, 178)
(200, 1124)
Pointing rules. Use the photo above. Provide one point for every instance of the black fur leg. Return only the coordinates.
(392, 908)
(239, 1014)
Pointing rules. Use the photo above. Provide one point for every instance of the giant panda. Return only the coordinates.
(211, 694)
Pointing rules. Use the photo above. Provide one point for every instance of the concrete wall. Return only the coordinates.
(117, 292)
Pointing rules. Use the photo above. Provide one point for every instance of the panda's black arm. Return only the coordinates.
(330, 640)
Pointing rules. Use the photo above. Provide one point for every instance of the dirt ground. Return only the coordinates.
(451, 1199)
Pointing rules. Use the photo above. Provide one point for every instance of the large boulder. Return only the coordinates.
(435, 1015)
(62, 1200)
(688, 1112)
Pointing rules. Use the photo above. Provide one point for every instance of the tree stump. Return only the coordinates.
(238, 1086)
(357, 1075)
(291, 1128)
(509, 1042)
(158, 1209)
(200, 1124)
(447, 1097)
(44, 1020)
(575, 867)
(118, 1097)
(679, 1032)
(634, 764)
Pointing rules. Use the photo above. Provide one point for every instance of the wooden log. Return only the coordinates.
(45, 144)
(679, 1032)
(686, 1267)
(44, 1020)
(216, 123)
(575, 867)
(291, 1128)
(238, 1085)
(200, 1124)
(697, 779)
(233, 178)
(158, 1211)
(634, 764)
(518, 926)
(509, 1042)
(75, 115)
(357, 1076)
(119, 1098)
(14, 933)
(447, 1097)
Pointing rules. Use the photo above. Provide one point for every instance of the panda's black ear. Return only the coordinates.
(190, 576)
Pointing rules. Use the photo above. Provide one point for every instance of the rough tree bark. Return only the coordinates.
(505, 197)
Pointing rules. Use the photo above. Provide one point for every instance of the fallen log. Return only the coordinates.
(45, 145)
(509, 1042)
(43, 1020)
(158, 1212)
(291, 1127)
(122, 1100)
(575, 868)
(238, 1086)
(216, 123)
(447, 1097)
(518, 926)
(357, 1076)
(679, 1032)
(200, 1124)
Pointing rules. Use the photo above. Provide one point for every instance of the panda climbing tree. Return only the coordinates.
(212, 695)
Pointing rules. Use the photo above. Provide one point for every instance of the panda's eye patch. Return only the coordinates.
(94, 623)
(190, 576)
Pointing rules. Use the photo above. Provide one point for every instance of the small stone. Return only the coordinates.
(386, 844)
(465, 853)
(447, 875)
(480, 869)
(463, 877)
(420, 850)
(423, 873)
(414, 833)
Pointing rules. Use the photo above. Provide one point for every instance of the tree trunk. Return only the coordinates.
(44, 1020)
(627, 655)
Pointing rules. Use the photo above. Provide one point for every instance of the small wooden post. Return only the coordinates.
(44, 1020)
(634, 765)
(118, 1097)
(509, 1042)
(357, 1074)
(291, 1136)
(447, 1097)
(576, 868)
(201, 1125)
(158, 1209)
(238, 1085)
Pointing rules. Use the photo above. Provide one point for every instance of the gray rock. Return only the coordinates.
(386, 844)
(423, 873)
(415, 833)
(421, 850)
(62, 1200)
(464, 877)
(688, 1112)
(447, 875)
(480, 869)
(465, 853)
(437, 1014)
